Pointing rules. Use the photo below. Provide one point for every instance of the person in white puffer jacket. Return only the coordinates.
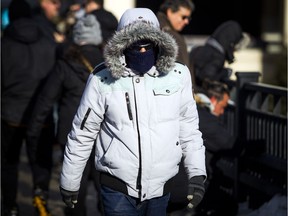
(139, 111)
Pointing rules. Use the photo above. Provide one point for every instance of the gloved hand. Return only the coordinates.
(196, 191)
(69, 197)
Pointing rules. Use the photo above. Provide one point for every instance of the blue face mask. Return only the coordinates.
(140, 61)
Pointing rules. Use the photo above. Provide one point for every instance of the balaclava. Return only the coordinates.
(140, 61)
(136, 60)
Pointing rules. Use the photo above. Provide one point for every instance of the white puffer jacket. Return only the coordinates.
(142, 124)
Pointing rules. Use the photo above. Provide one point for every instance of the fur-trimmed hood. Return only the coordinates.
(139, 24)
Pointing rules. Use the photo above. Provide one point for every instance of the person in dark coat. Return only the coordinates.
(27, 58)
(207, 61)
(211, 104)
(173, 16)
(106, 19)
(47, 15)
(65, 86)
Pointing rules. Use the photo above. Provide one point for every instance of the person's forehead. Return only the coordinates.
(52, 1)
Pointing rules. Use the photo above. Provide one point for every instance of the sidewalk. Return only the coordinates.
(55, 203)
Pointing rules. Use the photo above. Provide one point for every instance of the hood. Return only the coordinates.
(139, 24)
(228, 35)
(24, 30)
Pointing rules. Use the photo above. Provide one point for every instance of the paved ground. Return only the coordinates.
(55, 203)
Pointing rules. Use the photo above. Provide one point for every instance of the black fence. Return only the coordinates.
(258, 118)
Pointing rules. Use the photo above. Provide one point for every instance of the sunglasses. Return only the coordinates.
(138, 47)
(186, 17)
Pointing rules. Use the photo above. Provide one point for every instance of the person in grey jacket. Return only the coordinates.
(139, 110)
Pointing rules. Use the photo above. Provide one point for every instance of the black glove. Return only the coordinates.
(69, 197)
(196, 191)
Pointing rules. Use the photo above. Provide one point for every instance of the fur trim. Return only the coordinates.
(136, 31)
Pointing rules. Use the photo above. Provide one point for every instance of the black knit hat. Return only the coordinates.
(19, 9)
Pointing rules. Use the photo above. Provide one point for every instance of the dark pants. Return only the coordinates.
(119, 204)
(39, 156)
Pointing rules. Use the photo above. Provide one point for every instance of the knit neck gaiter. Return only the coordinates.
(140, 61)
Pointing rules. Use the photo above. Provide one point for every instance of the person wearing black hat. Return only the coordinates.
(208, 61)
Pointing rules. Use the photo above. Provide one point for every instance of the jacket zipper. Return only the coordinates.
(139, 176)
(128, 106)
(85, 118)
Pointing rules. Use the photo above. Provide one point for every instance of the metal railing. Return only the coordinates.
(258, 118)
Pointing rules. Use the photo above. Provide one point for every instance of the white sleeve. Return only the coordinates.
(80, 141)
(190, 136)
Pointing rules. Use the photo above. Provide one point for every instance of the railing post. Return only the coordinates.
(240, 120)
(242, 78)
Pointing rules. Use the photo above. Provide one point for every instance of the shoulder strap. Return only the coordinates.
(86, 63)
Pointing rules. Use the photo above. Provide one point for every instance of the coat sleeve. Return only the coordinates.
(190, 135)
(80, 141)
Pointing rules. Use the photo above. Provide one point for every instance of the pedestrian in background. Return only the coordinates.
(139, 111)
(211, 104)
(107, 20)
(47, 15)
(27, 58)
(208, 61)
(65, 86)
(173, 16)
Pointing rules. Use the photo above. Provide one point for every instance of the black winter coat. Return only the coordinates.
(27, 58)
(216, 137)
(65, 85)
(208, 61)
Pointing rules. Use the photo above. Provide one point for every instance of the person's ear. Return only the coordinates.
(169, 12)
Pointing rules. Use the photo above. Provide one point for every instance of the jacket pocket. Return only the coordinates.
(167, 102)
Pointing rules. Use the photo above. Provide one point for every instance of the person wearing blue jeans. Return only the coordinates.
(116, 202)
(139, 112)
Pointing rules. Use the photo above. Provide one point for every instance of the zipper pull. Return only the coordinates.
(128, 106)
